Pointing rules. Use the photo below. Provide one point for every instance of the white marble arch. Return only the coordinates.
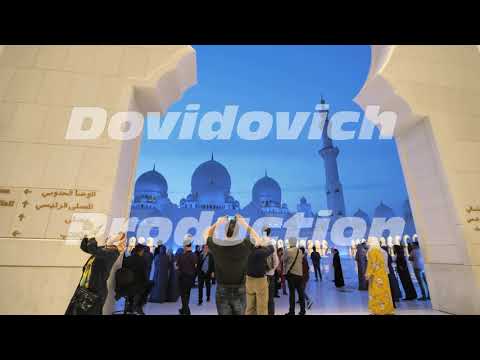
(39, 85)
(435, 90)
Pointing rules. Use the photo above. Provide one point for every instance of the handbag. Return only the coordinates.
(269, 263)
(84, 299)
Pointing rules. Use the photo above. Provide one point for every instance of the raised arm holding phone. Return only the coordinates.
(230, 258)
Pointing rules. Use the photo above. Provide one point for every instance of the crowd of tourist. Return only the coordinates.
(249, 274)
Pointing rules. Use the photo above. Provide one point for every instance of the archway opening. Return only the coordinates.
(202, 167)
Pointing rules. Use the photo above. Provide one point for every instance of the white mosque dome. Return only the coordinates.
(266, 191)
(151, 182)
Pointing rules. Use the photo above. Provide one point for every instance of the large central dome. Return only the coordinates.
(211, 176)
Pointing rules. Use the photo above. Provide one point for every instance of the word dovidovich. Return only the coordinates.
(88, 123)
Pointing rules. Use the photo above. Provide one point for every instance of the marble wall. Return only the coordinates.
(45, 178)
(435, 90)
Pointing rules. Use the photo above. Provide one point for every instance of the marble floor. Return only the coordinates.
(328, 300)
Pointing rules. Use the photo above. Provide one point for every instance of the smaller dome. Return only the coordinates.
(267, 191)
(151, 181)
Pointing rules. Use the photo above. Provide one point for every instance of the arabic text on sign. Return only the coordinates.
(77, 193)
(7, 203)
(65, 205)
(471, 208)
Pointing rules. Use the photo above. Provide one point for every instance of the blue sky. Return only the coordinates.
(272, 79)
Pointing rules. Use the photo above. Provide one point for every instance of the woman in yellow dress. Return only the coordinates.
(379, 295)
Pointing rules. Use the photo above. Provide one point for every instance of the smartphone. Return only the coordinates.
(232, 222)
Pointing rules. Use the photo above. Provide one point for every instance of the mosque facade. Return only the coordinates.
(211, 192)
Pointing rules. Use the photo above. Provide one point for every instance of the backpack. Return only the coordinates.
(269, 263)
(124, 279)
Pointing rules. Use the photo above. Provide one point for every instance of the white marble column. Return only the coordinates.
(39, 86)
(435, 91)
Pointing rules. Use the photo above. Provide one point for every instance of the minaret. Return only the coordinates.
(329, 153)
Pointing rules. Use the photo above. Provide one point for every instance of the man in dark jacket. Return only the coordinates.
(315, 257)
(293, 270)
(197, 253)
(231, 257)
(142, 286)
(187, 268)
(256, 284)
(205, 269)
(148, 256)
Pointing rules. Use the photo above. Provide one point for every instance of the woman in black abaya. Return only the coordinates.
(404, 274)
(337, 267)
(392, 278)
(173, 290)
(160, 275)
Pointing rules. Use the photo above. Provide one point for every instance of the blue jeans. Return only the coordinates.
(422, 282)
(230, 300)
